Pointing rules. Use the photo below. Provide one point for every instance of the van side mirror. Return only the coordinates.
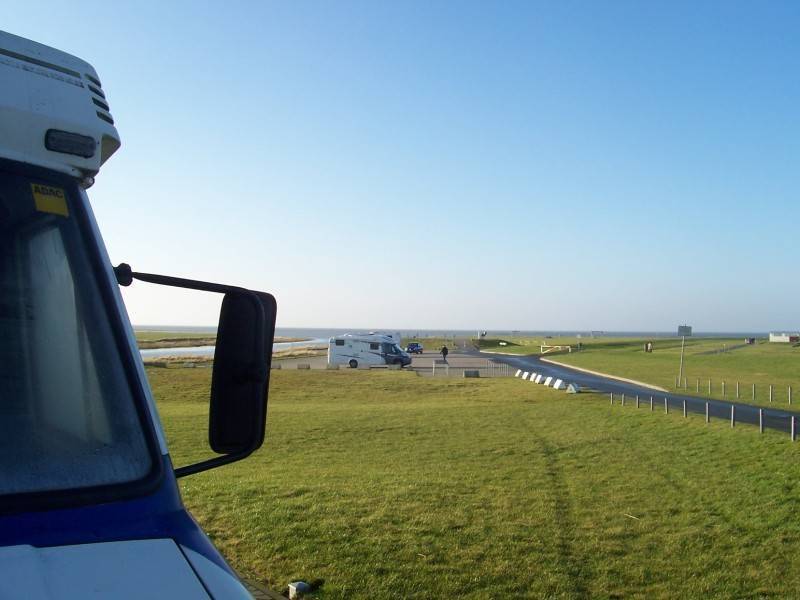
(242, 361)
(240, 379)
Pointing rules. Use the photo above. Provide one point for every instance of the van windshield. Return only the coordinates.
(67, 415)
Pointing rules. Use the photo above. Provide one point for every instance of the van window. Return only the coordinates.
(67, 416)
(340, 342)
(374, 346)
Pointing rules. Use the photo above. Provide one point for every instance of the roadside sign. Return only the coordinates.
(683, 331)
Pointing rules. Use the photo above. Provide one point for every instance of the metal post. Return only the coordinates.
(770, 392)
(433, 373)
(733, 415)
(794, 430)
(637, 400)
(760, 420)
(666, 406)
(697, 386)
(723, 389)
(709, 387)
(707, 419)
(623, 399)
(684, 409)
(754, 391)
(651, 404)
(737, 389)
(680, 369)
(612, 398)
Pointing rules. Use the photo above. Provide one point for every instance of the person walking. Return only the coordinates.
(444, 352)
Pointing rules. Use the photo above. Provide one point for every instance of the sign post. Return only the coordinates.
(683, 331)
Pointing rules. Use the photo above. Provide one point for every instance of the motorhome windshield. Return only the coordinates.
(391, 349)
(67, 415)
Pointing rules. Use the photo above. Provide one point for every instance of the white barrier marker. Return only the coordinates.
(525, 375)
(548, 381)
(518, 372)
(558, 385)
(538, 379)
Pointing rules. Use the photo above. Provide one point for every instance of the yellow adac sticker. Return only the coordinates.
(49, 199)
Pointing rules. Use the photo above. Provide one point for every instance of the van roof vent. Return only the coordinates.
(99, 98)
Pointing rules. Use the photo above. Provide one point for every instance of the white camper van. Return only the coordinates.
(366, 349)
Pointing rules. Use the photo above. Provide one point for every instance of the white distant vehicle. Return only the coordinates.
(366, 349)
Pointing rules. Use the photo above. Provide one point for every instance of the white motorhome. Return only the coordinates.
(366, 349)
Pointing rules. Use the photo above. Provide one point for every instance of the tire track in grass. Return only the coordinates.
(574, 567)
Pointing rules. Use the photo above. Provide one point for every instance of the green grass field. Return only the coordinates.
(761, 364)
(389, 485)
(533, 345)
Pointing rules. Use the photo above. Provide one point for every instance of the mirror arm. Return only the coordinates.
(125, 276)
(211, 463)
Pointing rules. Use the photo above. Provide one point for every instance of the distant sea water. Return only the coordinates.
(318, 336)
(318, 333)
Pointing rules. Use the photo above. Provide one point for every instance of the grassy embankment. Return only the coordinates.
(761, 364)
(172, 339)
(389, 485)
(532, 345)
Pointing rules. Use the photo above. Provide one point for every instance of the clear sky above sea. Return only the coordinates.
(509, 165)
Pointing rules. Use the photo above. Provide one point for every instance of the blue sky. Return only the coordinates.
(617, 166)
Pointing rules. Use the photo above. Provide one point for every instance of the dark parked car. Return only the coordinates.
(414, 348)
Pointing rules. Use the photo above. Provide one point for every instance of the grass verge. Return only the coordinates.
(761, 364)
(389, 485)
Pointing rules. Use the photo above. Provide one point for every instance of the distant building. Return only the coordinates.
(784, 338)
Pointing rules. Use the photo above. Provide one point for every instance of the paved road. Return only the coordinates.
(718, 409)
